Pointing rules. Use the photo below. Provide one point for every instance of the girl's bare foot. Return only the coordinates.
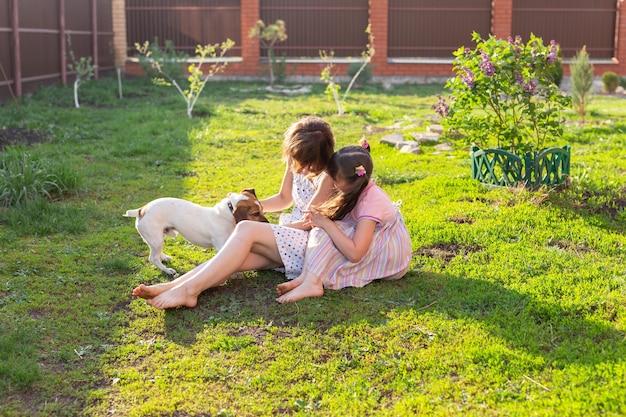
(151, 291)
(175, 297)
(312, 287)
(285, 287)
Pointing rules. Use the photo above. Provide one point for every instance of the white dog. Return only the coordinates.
(202, 226)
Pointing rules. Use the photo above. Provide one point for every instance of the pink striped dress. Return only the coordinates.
(389, 256)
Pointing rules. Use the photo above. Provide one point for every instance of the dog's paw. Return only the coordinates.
(170, 271)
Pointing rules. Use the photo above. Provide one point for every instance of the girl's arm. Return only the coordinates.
(283, 199)
(354, 249)
(324, 190)
(323, 193)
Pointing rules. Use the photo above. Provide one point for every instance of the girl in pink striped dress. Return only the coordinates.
(359, 235)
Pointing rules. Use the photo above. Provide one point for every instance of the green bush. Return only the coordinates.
(610, 81)
(155, 60)
(366, 73)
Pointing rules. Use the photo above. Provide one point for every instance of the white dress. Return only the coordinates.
(292, 242)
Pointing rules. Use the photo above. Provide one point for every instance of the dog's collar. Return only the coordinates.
(231, 208)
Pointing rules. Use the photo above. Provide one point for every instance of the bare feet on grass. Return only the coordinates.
(148, 292)
(166, 295)
(310, 287)
(175, 297)
(285, 287)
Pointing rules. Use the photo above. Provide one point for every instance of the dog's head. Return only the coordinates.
(246, 206)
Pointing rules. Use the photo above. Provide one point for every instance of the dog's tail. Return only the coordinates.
(132, 213)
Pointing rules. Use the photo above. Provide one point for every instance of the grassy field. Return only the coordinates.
(514, 306)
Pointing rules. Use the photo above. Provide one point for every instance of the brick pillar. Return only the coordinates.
(501, 18)
(379, 25)
(250, 47)
(119, 32)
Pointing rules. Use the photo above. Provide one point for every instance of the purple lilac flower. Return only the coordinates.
(441, 108)
(530, 87)
(517, 42)
(468, 78)
(552, 54)
(518, 78)
(486, 65)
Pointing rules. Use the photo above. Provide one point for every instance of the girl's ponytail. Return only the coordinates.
(354, 165)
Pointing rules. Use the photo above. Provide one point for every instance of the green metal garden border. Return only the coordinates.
(498, 167)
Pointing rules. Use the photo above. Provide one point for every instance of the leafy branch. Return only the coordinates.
(196, 79)
(332, 88)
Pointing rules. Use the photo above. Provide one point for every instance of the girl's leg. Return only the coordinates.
(252, 262)
(252, 245)
(309, 285)
(287, 286)
(318, 251)
(151, 291)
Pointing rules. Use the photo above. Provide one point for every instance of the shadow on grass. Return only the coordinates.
(561, 336)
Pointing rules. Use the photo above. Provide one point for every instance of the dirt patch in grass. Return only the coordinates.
(460, 219)
(568, 245)
(446, 251)
(11, 136)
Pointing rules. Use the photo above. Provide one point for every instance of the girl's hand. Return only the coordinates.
(302, 224)
(316, 219)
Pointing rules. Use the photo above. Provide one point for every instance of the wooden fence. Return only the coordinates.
(36, 38)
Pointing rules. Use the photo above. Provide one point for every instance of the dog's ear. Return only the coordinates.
(249, 211)
(249, 190)
(240, 213)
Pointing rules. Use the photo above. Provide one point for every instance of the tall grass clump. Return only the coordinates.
(25, 176)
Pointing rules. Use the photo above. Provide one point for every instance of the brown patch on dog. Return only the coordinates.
(249, 209)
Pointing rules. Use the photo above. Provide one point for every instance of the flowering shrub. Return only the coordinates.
(503, 94)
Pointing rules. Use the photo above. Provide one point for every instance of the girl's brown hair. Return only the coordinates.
(309, 144)
(354, 165)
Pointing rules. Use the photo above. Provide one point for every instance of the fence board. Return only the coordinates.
(337, 25)
(187, 23)
(435, 28)
(40, 58)
(562, 21)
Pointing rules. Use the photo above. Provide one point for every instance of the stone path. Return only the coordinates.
(432, 136)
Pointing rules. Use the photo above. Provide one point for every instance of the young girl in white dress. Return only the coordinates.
(307, 147)
(359, 235)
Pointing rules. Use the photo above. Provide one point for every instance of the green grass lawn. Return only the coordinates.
(514, 305)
